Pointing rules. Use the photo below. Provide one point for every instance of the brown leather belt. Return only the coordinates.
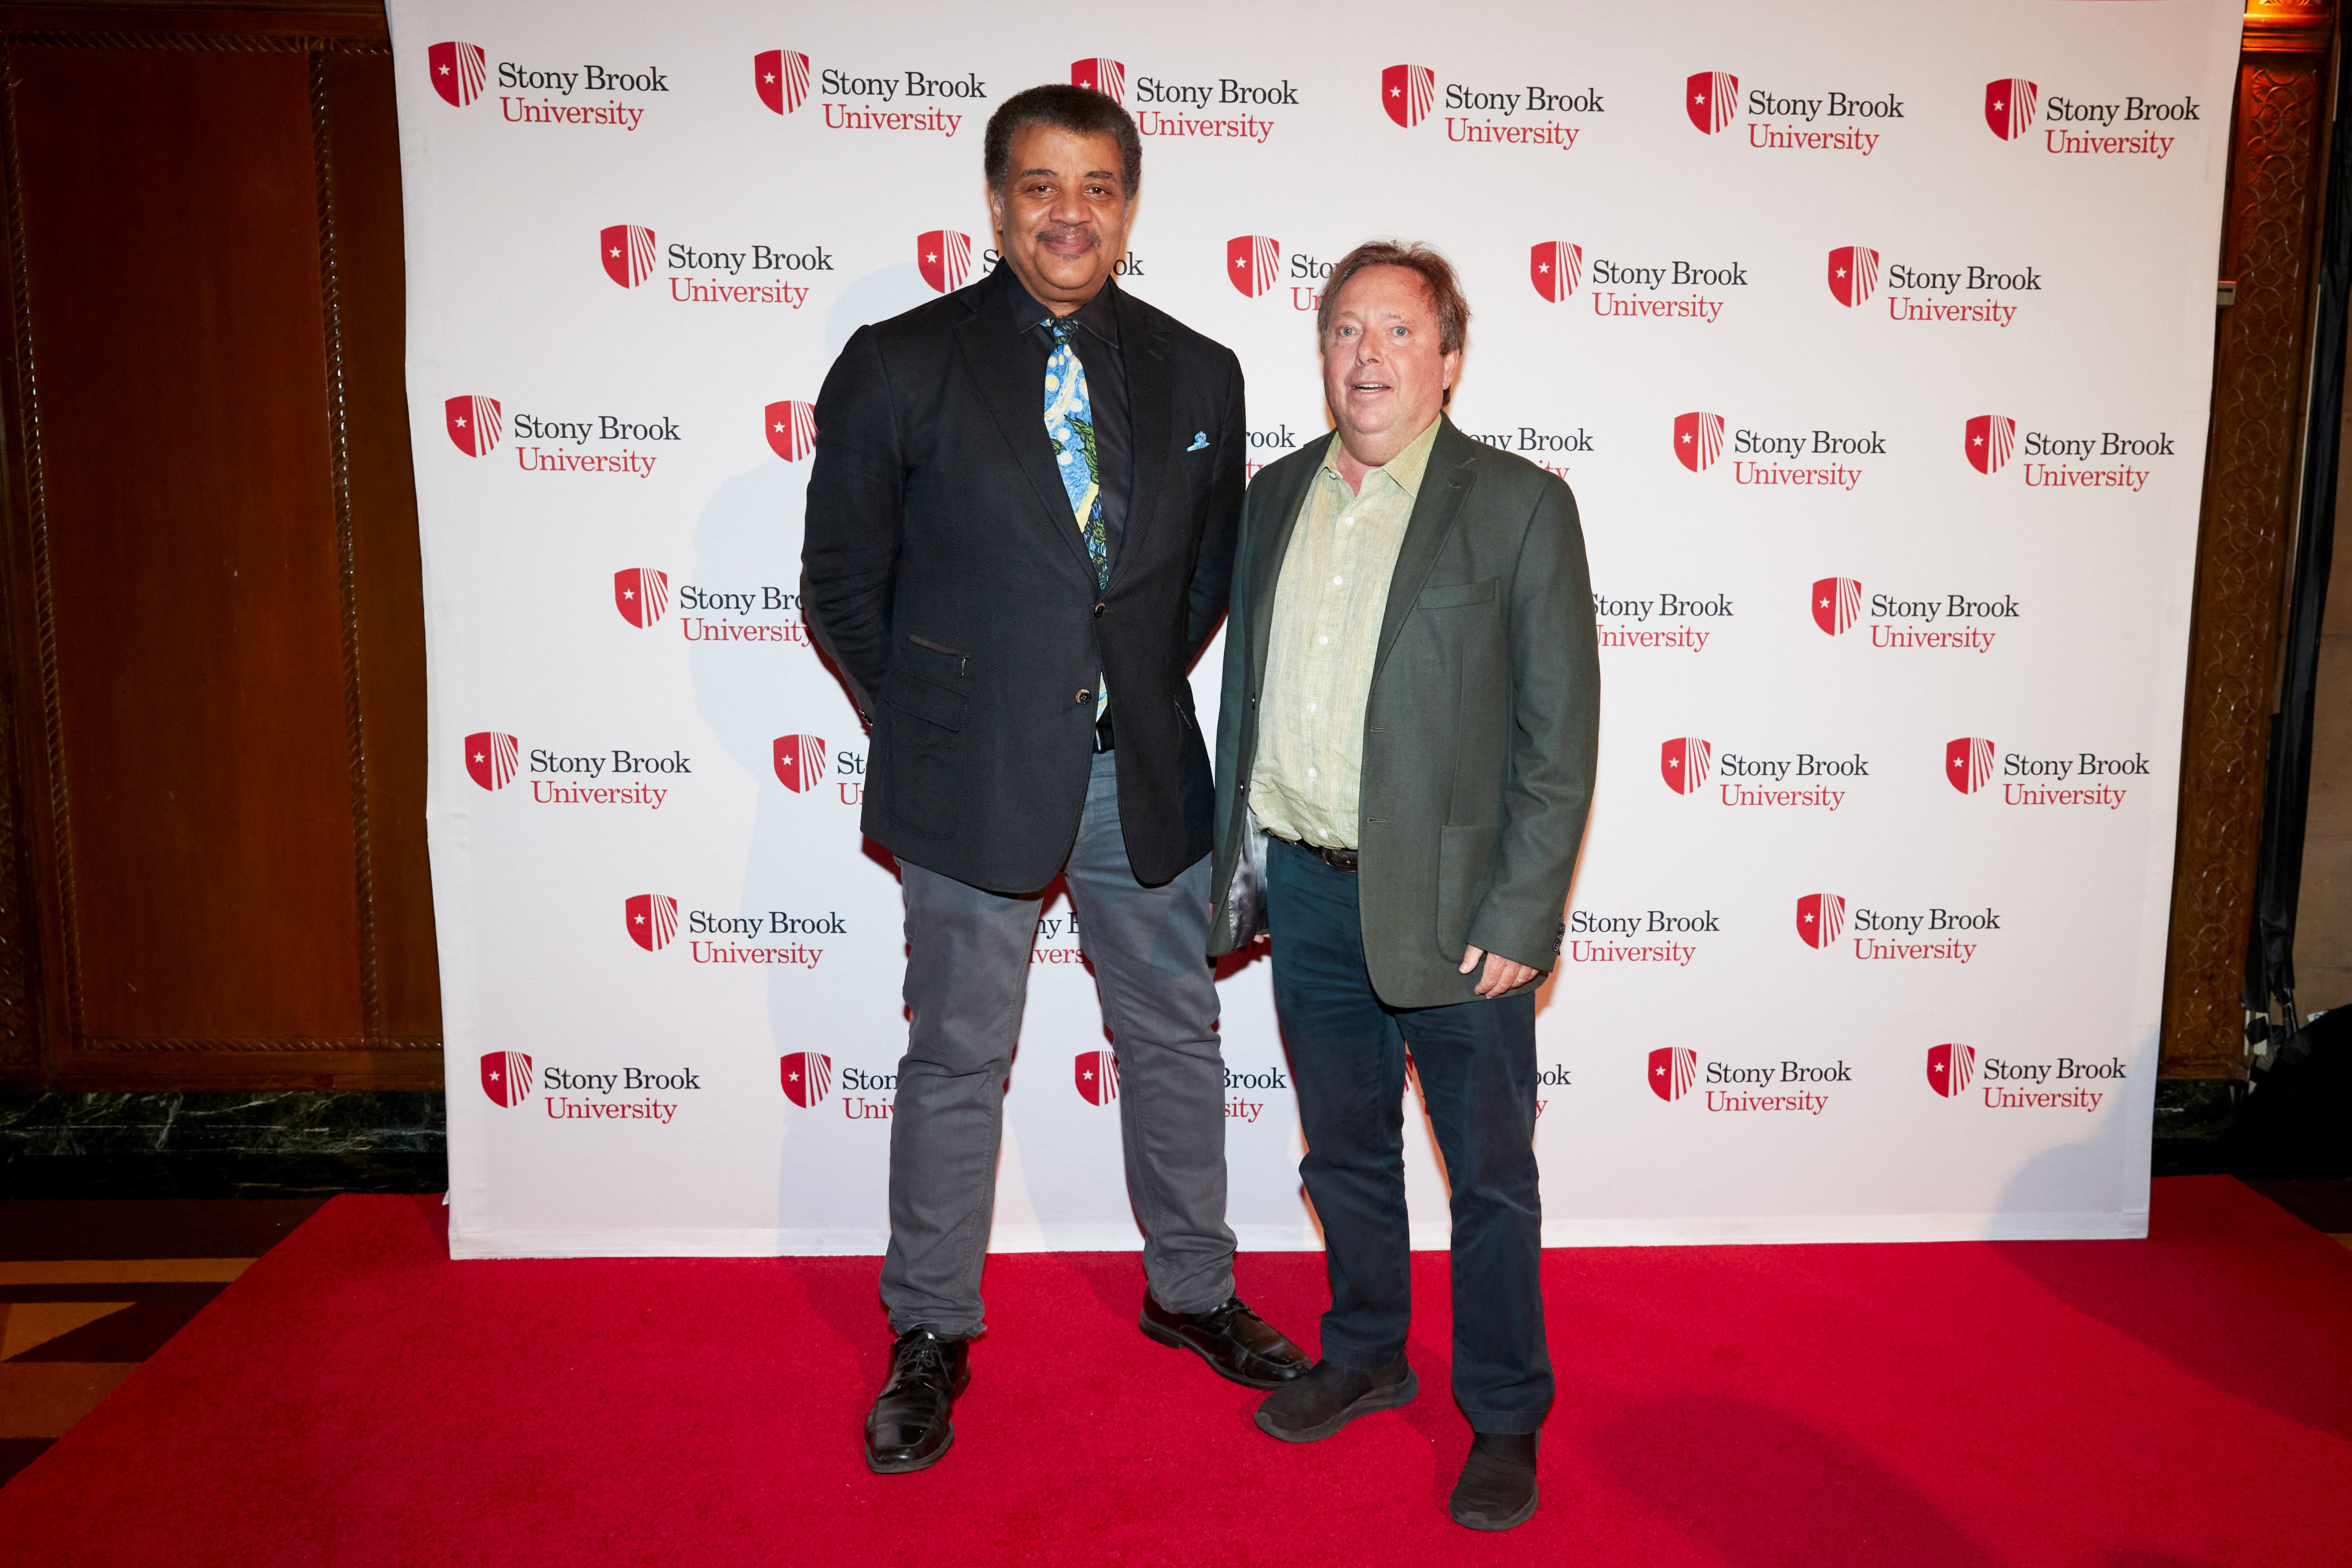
(1338, 859)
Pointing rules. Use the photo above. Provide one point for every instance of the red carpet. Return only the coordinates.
(357, 1398)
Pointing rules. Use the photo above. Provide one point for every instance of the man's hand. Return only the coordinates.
(1501, 976)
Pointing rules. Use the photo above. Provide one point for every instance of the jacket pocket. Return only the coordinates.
(1453, 595)
(1464, 856)
(926, 760)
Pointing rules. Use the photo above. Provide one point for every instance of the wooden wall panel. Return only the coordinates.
(213, 602)
(2260, 376)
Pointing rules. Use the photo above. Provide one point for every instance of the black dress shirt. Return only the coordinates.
(1095, 342)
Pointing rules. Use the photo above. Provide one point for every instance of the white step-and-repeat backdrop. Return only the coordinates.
(1876, 347)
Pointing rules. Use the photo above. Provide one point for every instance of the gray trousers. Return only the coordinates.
(967, 978)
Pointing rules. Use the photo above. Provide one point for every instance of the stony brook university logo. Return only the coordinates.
(1949, 1067)
(1837, 604)
(1990, 438)
(1853, 274)
(1711, 98)
(1684, 764)
(1251, 261)
(1673, 1071)
(1097, 1075)
(627, 251)
(491, 758)
(808, 1077)
(1968, 764)
(792, 429)
(473, 424)
(781, 78)
(800, 762)
(506, 1077)
(652, 920)
(2009, 107)
(1406, 93)
(1698, 440)
(1555, 268)
(1105, 77)
(641, 595)
(1819, 918)
(457, 71)
(944, 258)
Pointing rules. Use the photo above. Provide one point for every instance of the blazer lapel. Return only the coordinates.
(1144, 350)
(1273, 503)
(990, 350)
(1453, 469)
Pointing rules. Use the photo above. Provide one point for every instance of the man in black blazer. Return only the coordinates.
(1019, 535)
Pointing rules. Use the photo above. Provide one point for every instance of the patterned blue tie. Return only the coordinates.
(1070, 421)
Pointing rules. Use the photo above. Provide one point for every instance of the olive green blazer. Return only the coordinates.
(1479, 735)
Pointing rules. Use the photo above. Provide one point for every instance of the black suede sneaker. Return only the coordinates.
(1498, 1489)
(1313, 1407)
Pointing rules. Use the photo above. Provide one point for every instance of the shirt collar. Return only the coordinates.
(1099, 315)
(1404, 471)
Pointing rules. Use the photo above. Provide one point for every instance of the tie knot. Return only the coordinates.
(1061, 327)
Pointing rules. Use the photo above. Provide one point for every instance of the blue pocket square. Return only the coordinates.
(1200, 439)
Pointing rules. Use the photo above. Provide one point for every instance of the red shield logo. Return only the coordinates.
(1673, 1071)
(1250, 263)
(944, 257)
(652, 921)
(800, 762)
(506, 1077)
(808, 1077)
(1105, 77)
(490, 759)
(2008, 106)
(1406, 93)
(1684, 764)
(1990, 439)
(1949, 1067)
(1711, 98)
(1837, 605)
(457, 71)
(641, 595)
(792, 429)
(1555, 268)
(627, 251)
(1819, 918)
(781, 78)
(1698, 440)
(473, 424)
(1968, 764)
(1097, 1075)
(1853, 273)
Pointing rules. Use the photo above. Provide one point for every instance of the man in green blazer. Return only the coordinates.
(1405, 761)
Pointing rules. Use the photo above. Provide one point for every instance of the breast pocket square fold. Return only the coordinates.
(1200, 439)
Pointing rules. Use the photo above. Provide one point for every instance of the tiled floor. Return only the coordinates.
(89, 1289)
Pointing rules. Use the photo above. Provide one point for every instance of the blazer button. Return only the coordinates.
(1099, 610)
(1086, 697)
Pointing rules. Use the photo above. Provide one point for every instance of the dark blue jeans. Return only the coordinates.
(1477, 1062)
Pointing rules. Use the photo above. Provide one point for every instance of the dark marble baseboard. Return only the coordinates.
(295, 1143)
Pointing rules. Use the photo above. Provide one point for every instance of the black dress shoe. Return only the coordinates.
(1498, 1489)
(1328, 1397)
(1236, 1342)
(907, 1428)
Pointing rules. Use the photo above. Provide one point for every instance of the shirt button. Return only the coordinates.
(1310, 772)
(1336, 581)
(1320, 641)
(1310, 708)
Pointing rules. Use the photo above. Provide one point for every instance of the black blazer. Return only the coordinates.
(943, 571)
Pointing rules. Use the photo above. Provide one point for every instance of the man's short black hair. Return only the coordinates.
(1079, 110)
